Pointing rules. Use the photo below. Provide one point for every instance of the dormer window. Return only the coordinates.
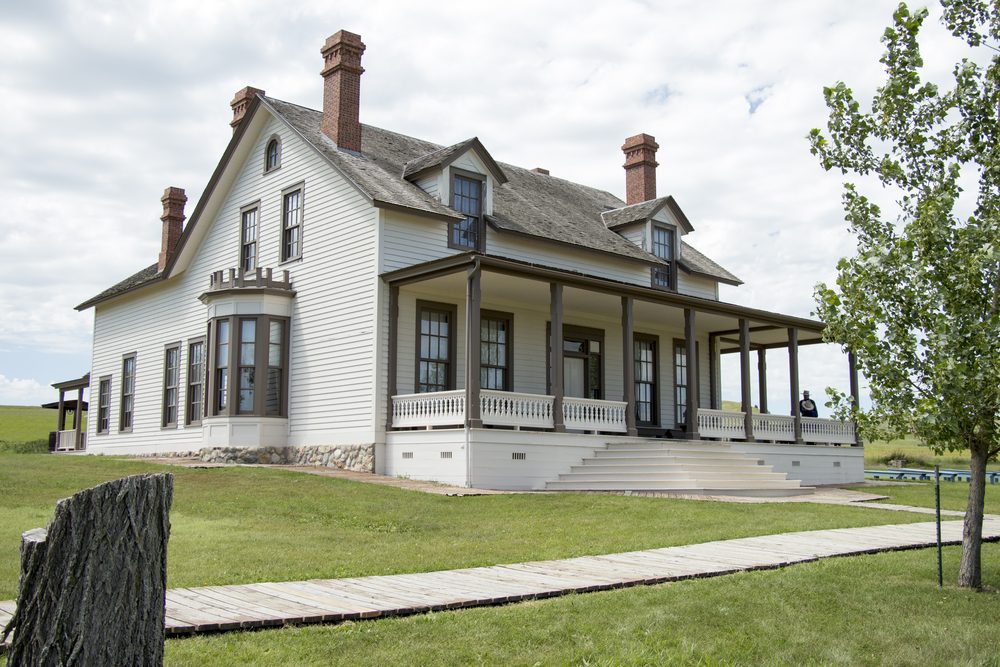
(272, 155)
(664, 277)
(467, 199)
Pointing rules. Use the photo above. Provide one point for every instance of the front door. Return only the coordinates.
(574, 375)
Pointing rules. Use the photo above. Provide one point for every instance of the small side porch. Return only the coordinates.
(69, 439)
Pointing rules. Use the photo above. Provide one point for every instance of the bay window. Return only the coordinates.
(249, 358)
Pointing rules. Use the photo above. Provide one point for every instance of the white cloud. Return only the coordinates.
(17, 391)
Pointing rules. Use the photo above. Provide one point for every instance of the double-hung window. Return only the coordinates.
(495, 351)
(248, 238)
(467, 199)
(104, 405)
(171, 385)
(644, 350)
(220, 403)
(195, 382)
(664, 276)
(127, 406)
(435, 347)
(291, 224)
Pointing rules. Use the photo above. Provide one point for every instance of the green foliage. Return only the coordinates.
(919, 301)
(239, 525)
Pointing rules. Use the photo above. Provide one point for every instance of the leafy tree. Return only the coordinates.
(919, 302)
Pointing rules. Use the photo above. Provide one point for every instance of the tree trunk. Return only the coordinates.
(970, 572)
(93, 585)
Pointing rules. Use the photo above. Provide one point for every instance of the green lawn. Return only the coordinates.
(865, 610)
(954, 495)
(241, 525)
(26, 428)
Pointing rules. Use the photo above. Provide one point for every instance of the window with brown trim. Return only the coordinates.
(220, 403)
(195, 382)
(583, 365)
(664, 277)
(646, 379)
(126, 409)
(681, 369)
(104, 405)
(272, 155)
(467, 198)
(171, 385)
(256, 350)
(496, 350)
(435, 347)
(248, 238)
(291, 224)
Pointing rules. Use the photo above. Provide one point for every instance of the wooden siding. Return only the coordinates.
(578, 260)
(706, 288)
(332, 350)
(408, 239)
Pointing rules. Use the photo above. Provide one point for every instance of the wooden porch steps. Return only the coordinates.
(677, 466)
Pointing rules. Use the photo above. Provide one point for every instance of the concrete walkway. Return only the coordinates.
(221, 608)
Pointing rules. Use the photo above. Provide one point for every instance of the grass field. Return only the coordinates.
(25, 429)
(241, 525)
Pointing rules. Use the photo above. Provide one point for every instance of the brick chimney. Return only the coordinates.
(173, 220)
(640, 168)
(342, 89)
(241, 100)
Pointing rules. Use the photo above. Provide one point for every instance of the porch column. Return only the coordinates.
(713, 369)
(628, 364)
(390, 384)
(762, 378)
(793, 378)
(556, 354)
(62, 410)
(78, 418)
(852, 363)
(473, 302)
(745, 380)
(691, 352)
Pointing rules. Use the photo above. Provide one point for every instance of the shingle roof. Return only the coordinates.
(148, 275)
(529, 203)
(695, 262)
(643, 211)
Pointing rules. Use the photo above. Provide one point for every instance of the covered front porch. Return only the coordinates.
(634, 360)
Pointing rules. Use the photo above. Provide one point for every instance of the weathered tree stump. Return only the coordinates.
(93, 585)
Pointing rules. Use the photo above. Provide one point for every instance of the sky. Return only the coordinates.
(106, 103)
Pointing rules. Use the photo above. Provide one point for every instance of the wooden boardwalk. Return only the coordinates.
(221, 608)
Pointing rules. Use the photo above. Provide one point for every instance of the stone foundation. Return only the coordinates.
(360, 458)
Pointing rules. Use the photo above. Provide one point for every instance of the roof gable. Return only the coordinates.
(644, 211)
(442, 158)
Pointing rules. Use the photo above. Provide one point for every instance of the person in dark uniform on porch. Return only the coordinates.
(807, 406)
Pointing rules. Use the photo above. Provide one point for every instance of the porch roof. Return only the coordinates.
(768, 329)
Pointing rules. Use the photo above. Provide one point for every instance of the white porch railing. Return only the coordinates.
(508, 408)
(441, 408)
(588, 414)
(779, 428)
(720, 424)
(67, 441)
(832, 431)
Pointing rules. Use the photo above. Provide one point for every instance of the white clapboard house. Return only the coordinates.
(341, 285)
